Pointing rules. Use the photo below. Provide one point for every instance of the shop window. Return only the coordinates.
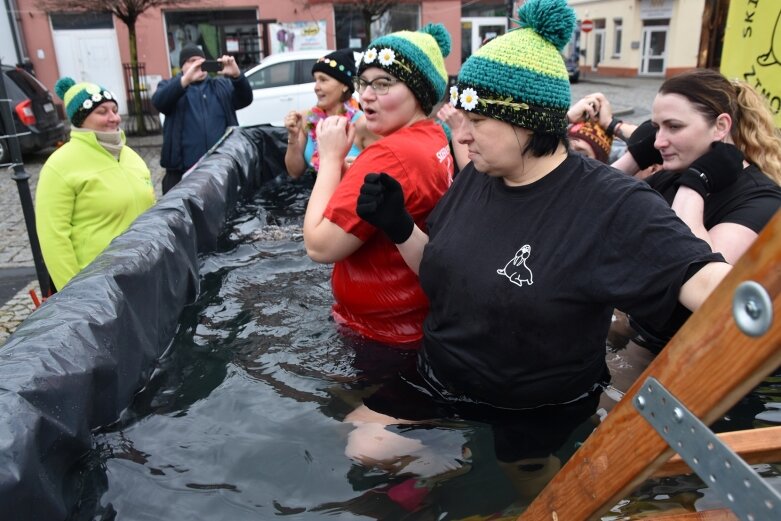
(351, 30)
(486, 8)
(81, 21)
(233, 32)
(618, 31)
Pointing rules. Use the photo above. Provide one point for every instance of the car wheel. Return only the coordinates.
(574, 78)
(5, 153)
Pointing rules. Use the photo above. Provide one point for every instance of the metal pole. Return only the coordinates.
(21, 177)
(510, 12)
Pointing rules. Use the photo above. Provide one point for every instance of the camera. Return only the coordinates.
(211, 66)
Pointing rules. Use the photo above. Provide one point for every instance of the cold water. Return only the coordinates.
(242, 419)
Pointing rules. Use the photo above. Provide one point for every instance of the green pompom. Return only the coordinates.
(440, 34)
(554, 20)
(62, 86)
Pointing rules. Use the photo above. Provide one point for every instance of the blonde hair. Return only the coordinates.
(753, 129)
(756, 134)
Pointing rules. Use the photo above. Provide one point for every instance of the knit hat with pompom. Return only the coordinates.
(595, 136)
(520, 77)
(81, 98)
(415, 57)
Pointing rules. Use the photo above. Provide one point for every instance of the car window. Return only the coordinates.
(306, 71)
(277, 75)
(29, 85)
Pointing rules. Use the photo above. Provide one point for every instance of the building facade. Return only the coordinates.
(628, 37)
(95, 47)
(639, 37)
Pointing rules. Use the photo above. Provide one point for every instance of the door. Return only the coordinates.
(654, 51)
(92, 55)
(478, 30)
(599, 47)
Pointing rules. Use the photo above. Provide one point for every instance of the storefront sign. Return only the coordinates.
(752, 49)
(656, 9)
(297, 36)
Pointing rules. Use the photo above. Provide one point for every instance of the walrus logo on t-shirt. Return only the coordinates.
(516, 269)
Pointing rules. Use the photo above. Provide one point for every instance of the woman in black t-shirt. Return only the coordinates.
(528, 253)
(721, 160)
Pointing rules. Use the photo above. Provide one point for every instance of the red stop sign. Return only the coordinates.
(586, 26)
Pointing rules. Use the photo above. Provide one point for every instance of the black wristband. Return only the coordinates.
(695, 180)
(612, 126)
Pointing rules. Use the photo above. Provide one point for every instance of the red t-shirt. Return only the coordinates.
(376, 294)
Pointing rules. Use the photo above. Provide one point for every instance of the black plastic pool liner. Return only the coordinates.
(75, 364)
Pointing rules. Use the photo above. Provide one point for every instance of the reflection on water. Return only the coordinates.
(242, 418)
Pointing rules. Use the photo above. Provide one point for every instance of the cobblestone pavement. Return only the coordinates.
(631, 99)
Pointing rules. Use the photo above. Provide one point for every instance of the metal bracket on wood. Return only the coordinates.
(739, 486)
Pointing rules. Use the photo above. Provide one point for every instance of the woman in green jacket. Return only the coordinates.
(90, 189)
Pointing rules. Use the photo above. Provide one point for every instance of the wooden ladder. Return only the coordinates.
(708, 366)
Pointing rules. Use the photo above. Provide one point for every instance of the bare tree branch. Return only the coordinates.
(126, 11)
(371, 11)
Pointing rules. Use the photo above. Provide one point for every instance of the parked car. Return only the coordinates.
(281, 83)
(573, 67)
(34, 113)
(571, 54)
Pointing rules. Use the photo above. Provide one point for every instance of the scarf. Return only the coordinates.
(111, 141)
(316, 114)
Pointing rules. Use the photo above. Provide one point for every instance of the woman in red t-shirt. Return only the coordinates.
(400, 78)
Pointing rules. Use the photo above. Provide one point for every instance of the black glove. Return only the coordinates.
(714, 171)
(381, 203)
(641, 145)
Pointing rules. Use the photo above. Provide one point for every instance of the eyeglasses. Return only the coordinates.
(379, 85)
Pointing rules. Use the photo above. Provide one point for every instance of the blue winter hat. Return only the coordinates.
(81, 98)
(520, 77)
(415, 57)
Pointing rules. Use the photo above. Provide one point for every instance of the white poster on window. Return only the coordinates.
(297, 36)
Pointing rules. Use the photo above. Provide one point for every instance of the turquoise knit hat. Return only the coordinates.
(520, 77)
(415, 57)
(81, 98)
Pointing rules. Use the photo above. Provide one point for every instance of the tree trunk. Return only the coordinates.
(140, 123)
(367, 26)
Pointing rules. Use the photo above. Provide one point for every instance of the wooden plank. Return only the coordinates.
(709, 365)
(705, 515)
(754, 446)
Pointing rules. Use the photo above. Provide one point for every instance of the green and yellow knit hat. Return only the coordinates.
(520, 77)
(81, 98)
(415, 57)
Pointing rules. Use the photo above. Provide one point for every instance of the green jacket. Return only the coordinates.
(85, 198)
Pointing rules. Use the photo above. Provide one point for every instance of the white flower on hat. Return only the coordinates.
(96, 98)
(87, 104)
(454, 95)
(107, 94)
(387, 56)
(370, 55)
(469, 99)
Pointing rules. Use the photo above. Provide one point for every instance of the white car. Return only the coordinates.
(281, 83)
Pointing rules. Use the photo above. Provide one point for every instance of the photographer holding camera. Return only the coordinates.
(198, 109)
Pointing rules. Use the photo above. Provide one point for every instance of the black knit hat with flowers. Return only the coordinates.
(81, 98)
(415, 57)
(340, 65)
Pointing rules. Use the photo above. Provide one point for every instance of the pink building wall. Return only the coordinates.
(447, 13)
(38, 36)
